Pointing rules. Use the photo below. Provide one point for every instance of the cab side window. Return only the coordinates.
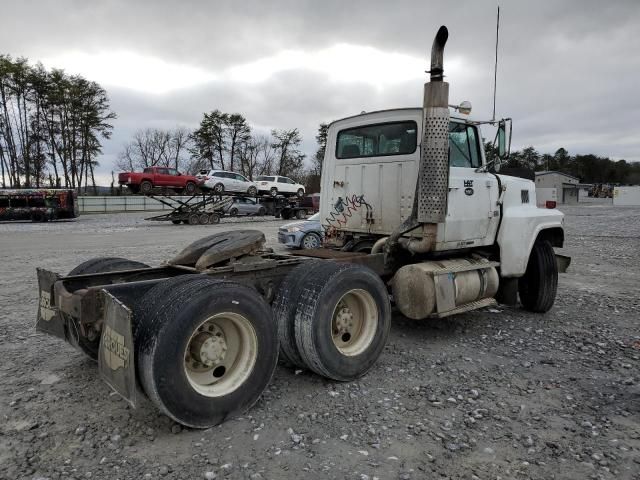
(463, 146)
(394, 138)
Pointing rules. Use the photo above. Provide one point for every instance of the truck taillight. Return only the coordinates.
(550, 204)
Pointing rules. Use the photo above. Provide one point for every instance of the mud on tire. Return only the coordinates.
(342, 320)
(172, 318)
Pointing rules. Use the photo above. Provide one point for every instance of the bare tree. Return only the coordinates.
(155, 147)
(257, 157)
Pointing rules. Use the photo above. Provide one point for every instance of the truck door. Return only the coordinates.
(472, 195)
(173, 178)
(162, 177)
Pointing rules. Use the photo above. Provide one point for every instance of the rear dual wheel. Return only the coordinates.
(335, 320)
(206, 349)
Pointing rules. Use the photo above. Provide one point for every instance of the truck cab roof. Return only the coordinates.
(394, 113)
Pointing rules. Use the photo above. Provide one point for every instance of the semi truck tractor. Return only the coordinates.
(416, 219)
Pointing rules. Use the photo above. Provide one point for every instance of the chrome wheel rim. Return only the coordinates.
(354, 322)
(220, 354)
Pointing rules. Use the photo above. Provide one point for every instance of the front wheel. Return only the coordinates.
(262, 212)
(300, 193)
(311, 240)
(273, 191)
(190, 188)
(539, 284)
(218, 188)
(233, 212)
(253, 191)
(206, 349)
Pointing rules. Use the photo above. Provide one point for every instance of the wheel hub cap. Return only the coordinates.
(208, 350)
(221, 354)
(354, 322)
(343, 322)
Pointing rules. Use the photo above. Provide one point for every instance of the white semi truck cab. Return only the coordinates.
(415, 183)
(369, 181)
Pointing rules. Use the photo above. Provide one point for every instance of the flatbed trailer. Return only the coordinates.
(199, 209)
(285, 207)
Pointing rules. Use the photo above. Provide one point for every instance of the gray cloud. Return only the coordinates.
(567, 75)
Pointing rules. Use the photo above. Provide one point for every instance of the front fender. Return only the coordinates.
(519, 229)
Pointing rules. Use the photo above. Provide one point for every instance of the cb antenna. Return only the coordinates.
(495, 69)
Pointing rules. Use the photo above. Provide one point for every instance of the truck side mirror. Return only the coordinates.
(504, 139)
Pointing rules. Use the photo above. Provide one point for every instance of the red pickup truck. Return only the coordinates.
(152, 177)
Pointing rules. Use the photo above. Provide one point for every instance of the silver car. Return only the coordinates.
(245, 206)
(221, 181)
(302, 234)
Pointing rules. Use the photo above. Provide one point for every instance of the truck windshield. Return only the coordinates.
(463, 146)
(398, 138)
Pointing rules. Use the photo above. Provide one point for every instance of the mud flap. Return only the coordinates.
(49, 320)
(563, 263)
(115, 357)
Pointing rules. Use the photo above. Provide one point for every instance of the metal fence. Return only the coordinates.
(132, 203)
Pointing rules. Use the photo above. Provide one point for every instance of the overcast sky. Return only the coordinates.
(568, 72)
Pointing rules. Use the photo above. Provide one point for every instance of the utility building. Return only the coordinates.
(566, 186)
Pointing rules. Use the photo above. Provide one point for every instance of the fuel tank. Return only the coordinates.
(422, 289)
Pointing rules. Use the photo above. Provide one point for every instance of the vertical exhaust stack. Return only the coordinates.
(433, 176)
(432, 188)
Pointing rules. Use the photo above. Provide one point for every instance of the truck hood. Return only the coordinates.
(516, 182)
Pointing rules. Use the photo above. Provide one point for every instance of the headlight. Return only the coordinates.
(293, 229)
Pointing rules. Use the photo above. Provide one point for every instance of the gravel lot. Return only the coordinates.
(500, 393)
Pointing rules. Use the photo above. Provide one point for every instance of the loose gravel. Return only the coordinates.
(498, 393)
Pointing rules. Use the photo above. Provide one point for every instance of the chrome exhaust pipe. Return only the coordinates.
(432, 187)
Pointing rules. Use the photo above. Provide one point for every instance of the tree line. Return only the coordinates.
(588, 168)
(222, 141)
(51, 126)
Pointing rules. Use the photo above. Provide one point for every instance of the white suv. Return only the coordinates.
(277, 185)
(221, 181)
